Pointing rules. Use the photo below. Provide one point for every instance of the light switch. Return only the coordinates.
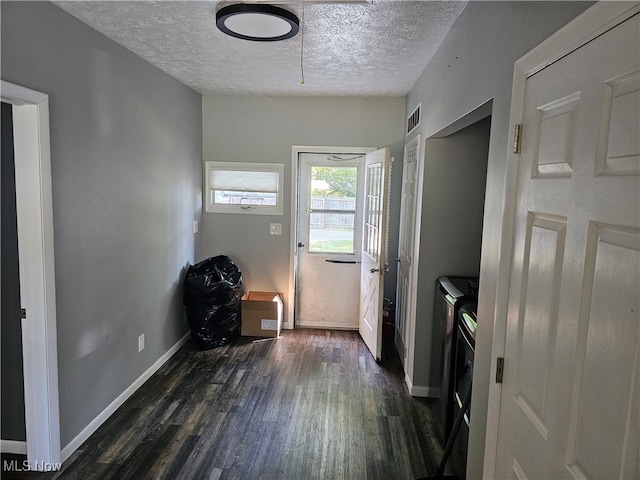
(275, 229)
(195, 226)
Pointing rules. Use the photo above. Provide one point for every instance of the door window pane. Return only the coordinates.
(373, 217)
(331, 233)
(333, 209)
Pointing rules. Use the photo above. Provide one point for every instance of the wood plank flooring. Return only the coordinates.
(312, 404)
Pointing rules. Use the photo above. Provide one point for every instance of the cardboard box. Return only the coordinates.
(261, 314)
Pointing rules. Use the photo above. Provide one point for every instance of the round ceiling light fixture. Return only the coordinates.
(257, 22)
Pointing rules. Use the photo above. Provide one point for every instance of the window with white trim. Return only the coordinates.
(237, 187)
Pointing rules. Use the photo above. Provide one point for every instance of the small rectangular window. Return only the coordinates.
(236, 187)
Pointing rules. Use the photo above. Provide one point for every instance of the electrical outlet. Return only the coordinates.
(275, 229)
(141, 343)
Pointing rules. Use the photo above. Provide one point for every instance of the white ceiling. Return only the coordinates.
(361, 49)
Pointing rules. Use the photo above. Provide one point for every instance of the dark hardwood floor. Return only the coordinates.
(312, 404)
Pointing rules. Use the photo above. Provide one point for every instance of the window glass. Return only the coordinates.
(235, 187)
(333, 209)
(373, 209)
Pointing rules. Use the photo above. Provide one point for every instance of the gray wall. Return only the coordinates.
(12, 387)
(473, 65)
(263, 129)
(126, 166)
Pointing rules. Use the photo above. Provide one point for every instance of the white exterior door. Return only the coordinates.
(330, 192)
(570, 404)
(405, 299)
(374, 248)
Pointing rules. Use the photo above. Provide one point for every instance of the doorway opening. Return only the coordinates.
(13, 422)
(339, 233)
(464, 155)
(329, 239)
(448, 199)
(34, 212)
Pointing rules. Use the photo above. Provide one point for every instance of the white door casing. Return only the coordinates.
(405, 295)
(569, 406)
(328, 280)
(374, 248)
(37, 274)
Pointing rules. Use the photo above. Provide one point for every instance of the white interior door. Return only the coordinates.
(374, 248)
(570, 405)
(405, 301)
(329, 240)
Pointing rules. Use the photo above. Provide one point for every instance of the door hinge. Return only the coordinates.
(499, 369)
(517, 135)
(23, 313)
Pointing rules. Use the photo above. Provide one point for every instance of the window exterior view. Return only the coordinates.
(333, 205)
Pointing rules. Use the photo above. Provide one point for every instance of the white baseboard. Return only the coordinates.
(419, 391)
(117, 403)
(328, 326)
(13, 446)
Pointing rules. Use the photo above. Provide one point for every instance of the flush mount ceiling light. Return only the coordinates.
(257, 22)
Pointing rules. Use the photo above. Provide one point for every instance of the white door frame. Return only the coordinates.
(584, 28)
(37, 275)
(293, 236)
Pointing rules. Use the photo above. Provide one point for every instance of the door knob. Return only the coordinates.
(374, 270)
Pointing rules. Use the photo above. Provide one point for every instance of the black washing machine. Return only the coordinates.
(463, 353)
(451, 294)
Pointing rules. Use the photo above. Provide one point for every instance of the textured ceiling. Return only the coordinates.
(371, 49)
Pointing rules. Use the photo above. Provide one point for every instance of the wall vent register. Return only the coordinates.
(413, 121)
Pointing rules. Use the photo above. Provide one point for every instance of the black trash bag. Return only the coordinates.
(212, 292)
